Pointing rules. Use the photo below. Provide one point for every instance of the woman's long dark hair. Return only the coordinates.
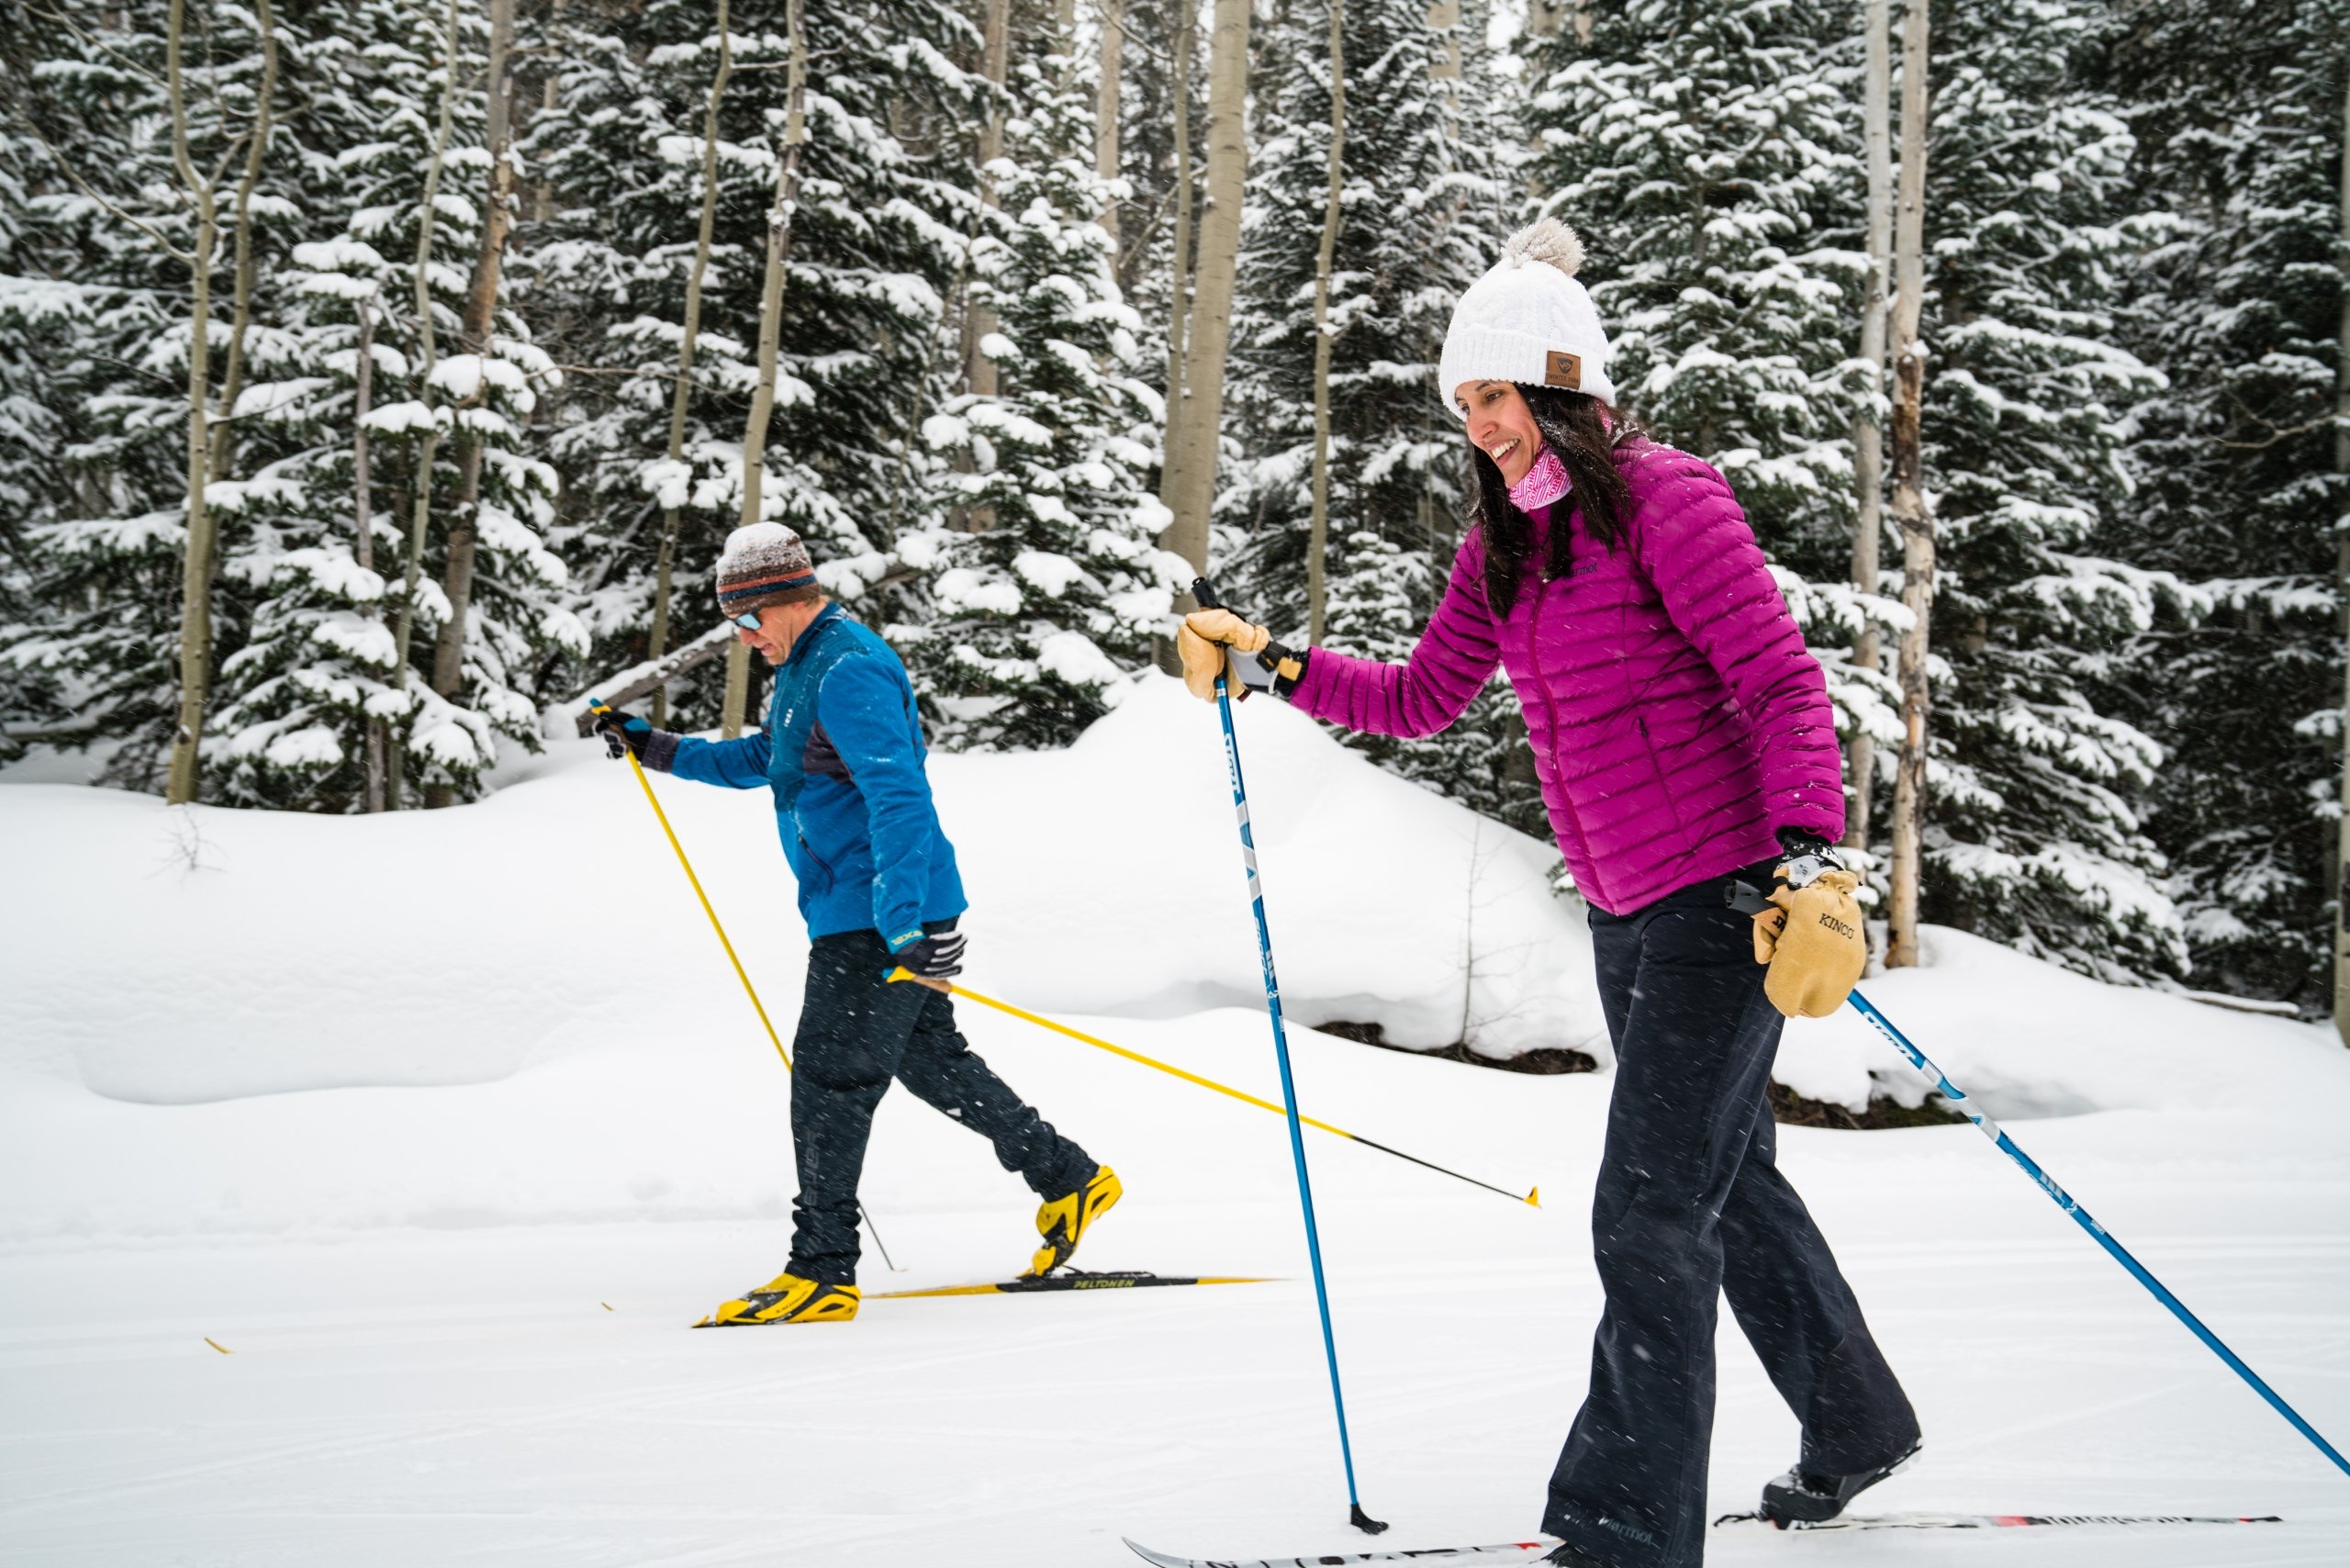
(1585, 432)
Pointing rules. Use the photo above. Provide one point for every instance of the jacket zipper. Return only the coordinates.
(821, 863)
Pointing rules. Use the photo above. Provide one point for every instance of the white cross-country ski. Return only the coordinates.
(1424, 1557)
(1527, 1552)
(1997, 1521)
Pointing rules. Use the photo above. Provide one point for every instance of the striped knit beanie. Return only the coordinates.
(764, 564)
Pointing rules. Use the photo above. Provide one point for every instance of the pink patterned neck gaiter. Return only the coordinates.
(1544, 483)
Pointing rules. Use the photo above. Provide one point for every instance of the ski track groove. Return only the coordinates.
(636, 1402)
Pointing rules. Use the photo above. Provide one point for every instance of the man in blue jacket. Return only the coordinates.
(843, 751)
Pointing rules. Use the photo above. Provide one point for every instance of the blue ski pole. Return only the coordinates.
(1205, 595)
(2064, 1200)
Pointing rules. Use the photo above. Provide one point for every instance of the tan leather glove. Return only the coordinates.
(1811, 939)
(1201, 642)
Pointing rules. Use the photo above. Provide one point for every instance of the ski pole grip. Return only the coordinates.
(1204, 593)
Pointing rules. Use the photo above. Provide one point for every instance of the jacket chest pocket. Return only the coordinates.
(818, 873)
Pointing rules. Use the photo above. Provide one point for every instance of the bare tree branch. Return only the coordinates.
(88, 190)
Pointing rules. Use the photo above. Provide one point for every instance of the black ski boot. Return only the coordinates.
(1802, 1497)
(1568, 1556)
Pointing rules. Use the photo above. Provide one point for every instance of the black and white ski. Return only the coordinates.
(1426, 1557)
(1527, 1551)
(1996, 1521)
(1072, 1280)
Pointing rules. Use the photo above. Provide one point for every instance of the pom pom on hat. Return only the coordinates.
(1528, 320)
(1549, 240)
(764, 564)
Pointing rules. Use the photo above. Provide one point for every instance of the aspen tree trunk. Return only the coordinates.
(1178, 290)
(480, 323)
(755, 431)
(1909, 512)
(1868, 441)
(2342, 589)
(1106, 105)
(1317, 545)
(979, 321)
(420, 482)
(543, 198)
(1192, 486)
(195, 565)
(666, 564)
(241, 313)
(363, 506)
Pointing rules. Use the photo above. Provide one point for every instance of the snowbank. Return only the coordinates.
(2025, 1038)
(176, 955)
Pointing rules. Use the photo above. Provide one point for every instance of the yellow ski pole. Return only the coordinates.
(1533, 1196)
(597, 706)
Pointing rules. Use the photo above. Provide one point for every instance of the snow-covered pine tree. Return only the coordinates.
(2237, 112)
(1426, 201)
(877, 237)
(620, 152)
(292, 676)
(46, 312)
(100, 576)
(1050, 604)
(322, 656)
(2033, 836)
(1147, 91)
(1709, 151)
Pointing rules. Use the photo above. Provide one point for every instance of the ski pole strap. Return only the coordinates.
(2081, 1216)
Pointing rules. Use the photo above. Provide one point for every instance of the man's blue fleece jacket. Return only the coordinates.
(843, 751)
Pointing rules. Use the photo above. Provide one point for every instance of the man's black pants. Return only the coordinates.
(856, 1033)
(1691, 1204)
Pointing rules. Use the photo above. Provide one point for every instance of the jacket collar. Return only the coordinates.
(825, 618)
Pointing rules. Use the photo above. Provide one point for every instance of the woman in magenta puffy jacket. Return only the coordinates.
(1685, 745)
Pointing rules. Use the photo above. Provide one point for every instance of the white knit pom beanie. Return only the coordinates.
(1529, 321)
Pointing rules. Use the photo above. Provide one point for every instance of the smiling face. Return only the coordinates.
(1499, 425)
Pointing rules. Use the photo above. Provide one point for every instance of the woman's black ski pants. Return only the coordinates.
(1691, 1206)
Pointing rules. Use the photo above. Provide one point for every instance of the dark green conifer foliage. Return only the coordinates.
(1046, 601)
(98, 575)
(2034, 835)
(1428, 200)
(886, 207)
(2236, 107)
(1710, 156)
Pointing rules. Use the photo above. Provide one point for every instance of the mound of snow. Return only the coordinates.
(171, 956)
(2025, 1038)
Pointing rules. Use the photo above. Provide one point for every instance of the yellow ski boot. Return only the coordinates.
(1063, 1221)
(787, 1298)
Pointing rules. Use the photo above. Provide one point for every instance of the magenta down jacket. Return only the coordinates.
(1677, 720)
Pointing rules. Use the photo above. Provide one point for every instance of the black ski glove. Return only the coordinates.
(628, 732)
(933, 955)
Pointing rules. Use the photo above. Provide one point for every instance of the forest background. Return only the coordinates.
(377, 377)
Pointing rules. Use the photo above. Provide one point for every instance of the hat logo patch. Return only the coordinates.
(1564, 369)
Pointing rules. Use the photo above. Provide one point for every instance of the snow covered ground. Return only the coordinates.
(446, 1125)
